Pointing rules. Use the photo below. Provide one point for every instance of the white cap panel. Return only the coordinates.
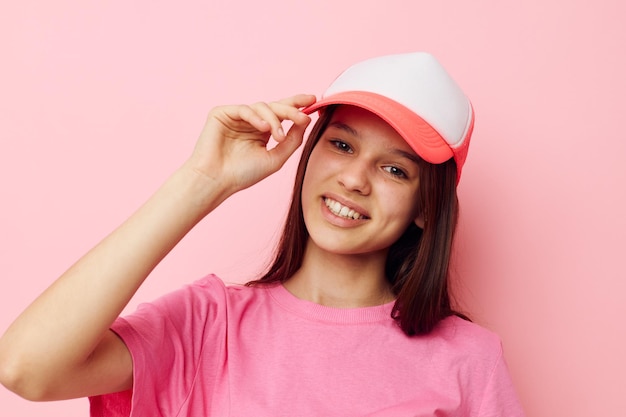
(418, 82)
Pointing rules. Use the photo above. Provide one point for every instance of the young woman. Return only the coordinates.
(353, 318)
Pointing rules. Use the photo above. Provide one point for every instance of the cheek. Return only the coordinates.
(320, 168)
(311, 176)
(402, 205)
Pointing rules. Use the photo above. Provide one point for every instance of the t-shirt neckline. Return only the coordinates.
(319, 312)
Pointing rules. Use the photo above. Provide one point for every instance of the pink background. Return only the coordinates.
(100, 101)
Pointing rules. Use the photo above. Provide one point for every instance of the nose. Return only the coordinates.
(354, 176)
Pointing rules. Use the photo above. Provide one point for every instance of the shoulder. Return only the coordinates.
(212, 288)
(206, 300)
(466, 338)
(455, 326)
(214, 292)
(213, 284)
(474, 355)
(205, 293)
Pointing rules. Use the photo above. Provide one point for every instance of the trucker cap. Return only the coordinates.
(416, 96)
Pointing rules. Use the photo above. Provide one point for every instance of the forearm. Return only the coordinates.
(61, 328)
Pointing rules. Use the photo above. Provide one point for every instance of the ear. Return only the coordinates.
(419, 221)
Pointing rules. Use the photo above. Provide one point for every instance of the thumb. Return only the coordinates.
(286, 147)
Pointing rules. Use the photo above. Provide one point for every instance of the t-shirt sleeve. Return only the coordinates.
(500, 398)
(166, 339)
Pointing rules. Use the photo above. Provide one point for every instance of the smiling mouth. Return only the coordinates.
(340, 210)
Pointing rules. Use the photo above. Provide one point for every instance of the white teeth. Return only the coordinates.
(342, 211)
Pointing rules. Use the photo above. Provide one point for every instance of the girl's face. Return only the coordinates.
(359, 192)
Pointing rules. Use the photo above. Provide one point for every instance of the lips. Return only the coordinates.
(340, 210)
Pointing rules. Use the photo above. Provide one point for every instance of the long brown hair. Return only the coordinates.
(417, 264)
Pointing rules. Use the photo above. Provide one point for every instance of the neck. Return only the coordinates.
(343, 281)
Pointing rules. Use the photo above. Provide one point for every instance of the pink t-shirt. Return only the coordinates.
(215, 350)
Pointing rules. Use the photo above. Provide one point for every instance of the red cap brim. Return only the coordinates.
(420, 135)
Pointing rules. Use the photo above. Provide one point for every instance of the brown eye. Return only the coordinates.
(395, 171)
(341, 145)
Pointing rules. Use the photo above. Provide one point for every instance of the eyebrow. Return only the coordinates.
(407, 155)
(349, 129)
(344, 127)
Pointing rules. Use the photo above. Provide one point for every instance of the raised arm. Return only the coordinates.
(60, 346)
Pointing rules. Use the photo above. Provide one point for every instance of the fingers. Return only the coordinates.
(260, 120)
(299, 100)
(285, 148)
(286, 109)
(250, 115)
(272, 116)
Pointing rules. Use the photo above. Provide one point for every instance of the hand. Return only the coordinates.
(232, 147)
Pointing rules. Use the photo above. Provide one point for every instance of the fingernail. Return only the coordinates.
(281, 132)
